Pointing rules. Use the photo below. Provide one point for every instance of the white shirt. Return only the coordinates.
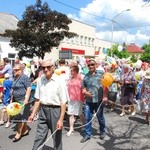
(65, 73)
(51, 92)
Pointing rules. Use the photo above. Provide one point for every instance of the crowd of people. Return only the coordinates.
(54, 88)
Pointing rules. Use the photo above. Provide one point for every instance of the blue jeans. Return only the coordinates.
(139, 87)
(88, 111)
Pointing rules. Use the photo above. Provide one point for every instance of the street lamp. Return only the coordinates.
(112, 26)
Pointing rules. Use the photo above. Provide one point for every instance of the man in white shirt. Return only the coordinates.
(51, 96)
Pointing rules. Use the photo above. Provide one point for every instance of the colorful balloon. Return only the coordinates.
(137, 77)
(14, 108)
(107, 79)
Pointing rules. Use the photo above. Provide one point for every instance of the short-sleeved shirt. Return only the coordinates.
(20, 86)
(52, 91)
(92, 83)
(8, 69)
(75, 88)
(114, 86)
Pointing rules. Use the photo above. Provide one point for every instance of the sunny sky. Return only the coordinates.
(131, 17)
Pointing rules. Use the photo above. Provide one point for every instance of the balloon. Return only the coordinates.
(139, 62)
(28, 64)
(58, 72)
(107, 79)
(14, 108)
(137, 77)
(138, 65)
(2, 80)
(120, 48)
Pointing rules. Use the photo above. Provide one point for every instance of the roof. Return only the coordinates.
(132, 48)
(7, 21)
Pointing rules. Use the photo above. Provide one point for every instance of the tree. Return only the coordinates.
(115, 52)
(146, 54)
(134, 58)
(39, 31)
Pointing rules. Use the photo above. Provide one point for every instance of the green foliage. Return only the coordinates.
(115, 52)
(39, 31)
(146, 55)
(134, 58)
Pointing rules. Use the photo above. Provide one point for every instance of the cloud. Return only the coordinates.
(130, 26)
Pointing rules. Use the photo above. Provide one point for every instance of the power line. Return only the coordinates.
(82, 10)
(122, 26)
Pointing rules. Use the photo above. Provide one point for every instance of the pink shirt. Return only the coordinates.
(75, 89)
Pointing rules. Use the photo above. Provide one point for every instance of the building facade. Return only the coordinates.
(84, 44)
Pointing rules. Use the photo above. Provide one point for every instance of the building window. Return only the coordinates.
(95, 48)
(89, 41)
(11, 55)
(81, 40)
(99, 49)
(77, 40)
(72, 40)
(85, 40)
(104, 50)
(92, 42)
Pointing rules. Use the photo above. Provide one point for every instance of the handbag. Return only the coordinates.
(131, 86)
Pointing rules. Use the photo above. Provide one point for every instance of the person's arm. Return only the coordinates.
(4, 70)
(62, 114)
(27, 96)
(105, 93)
(35, 109)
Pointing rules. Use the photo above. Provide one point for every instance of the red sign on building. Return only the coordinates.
(74, 51)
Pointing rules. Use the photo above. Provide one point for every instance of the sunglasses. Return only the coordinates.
(47, 67)
(90, 65)
(16, 70)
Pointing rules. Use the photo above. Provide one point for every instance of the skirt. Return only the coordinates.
(75, 107)
(127, 96)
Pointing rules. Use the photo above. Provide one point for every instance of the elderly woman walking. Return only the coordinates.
(128, 90)
(21, 89)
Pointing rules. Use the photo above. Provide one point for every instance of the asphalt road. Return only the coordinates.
(123, 133)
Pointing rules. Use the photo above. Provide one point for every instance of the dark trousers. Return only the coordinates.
(48, 118)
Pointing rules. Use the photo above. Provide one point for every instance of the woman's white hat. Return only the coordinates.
(147, 74)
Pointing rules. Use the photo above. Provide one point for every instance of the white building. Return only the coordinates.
(84, 44)
(7, 21)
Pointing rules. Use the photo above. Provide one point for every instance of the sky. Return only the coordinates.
(116, 21)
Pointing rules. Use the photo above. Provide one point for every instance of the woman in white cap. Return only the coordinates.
(145, 96)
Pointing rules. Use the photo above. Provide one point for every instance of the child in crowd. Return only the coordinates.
(7, 84)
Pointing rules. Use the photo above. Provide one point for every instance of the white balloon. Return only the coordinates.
(138, 65)
(139, 62)
(120, 48)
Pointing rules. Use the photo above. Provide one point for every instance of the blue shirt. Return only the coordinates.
(20, 86)
(92, 83)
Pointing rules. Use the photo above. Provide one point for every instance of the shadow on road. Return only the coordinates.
(47, 148)
(123, 138)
